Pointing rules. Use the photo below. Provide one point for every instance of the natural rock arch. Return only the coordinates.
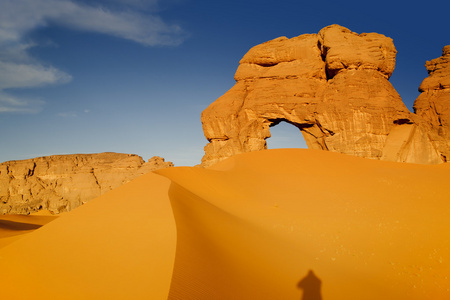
(288, 140)
(285, 135)
(310, 132)
(333, 86)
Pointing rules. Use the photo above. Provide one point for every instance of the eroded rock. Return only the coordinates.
(333, 86)
(433, 104)
(63, 182)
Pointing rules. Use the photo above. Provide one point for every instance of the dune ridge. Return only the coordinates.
(119, 246)
(258, 223)
(273, 224)
(12, 227)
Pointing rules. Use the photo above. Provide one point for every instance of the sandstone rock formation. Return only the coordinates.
(63, 182)
(433, 104)
(333, 86)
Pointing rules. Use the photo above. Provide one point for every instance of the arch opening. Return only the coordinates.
(285, 135)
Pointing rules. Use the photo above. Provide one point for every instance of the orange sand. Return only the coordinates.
(13, 226)
(118, 246)
(276, 224)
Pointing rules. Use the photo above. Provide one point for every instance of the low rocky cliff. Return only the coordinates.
(63, 182)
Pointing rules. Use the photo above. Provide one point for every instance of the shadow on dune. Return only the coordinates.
(310, 284)
(17, 226)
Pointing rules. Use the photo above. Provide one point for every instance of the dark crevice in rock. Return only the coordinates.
(267, 64)
(31, 171)
(402, 121)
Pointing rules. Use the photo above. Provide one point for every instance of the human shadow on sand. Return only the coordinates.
(311, 285)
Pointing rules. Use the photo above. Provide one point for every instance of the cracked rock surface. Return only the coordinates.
(333, 86)
(433, 104)
(61, 183)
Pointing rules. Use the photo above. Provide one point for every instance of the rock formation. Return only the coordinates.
(333, 86)
(433, 104)
(63, 182)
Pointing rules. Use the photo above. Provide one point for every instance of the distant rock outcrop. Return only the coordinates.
(63, 182)
(333, 86)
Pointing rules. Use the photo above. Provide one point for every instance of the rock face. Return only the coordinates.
(433, 104)
(63, 182)
(333, 86)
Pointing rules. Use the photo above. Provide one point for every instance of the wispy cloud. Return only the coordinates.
(69, 114)
(124, 19)
(20, 16)
(11, 104)
(22, 75)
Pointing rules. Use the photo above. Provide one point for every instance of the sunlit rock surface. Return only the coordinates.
(433, 104)
(63, 182)
(333, 86)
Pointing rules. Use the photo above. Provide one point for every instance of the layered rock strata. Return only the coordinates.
(61, 183)
(333, 86)
(433, 104)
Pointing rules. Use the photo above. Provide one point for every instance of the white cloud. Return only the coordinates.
(11, 104)
(16, 75)
(146, 30)
(19, 17)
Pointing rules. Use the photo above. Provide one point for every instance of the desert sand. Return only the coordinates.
(13, 226)
(272, 224)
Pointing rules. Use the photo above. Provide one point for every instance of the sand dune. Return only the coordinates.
(275, 224)
(12, 227)
(254, 226)
(118, 246)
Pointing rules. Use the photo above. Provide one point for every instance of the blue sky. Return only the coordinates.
(133, 76)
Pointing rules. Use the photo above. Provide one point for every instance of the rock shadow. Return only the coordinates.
(311, 287)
